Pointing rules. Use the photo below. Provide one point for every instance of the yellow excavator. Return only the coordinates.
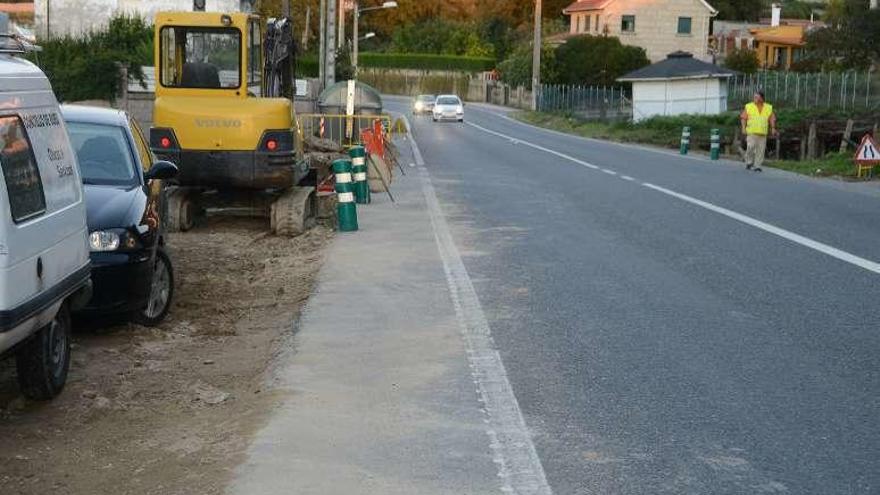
(224, 114)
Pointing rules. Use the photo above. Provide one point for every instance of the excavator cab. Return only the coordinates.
(223, 110)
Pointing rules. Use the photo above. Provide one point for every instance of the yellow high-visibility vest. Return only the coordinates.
(759, 120)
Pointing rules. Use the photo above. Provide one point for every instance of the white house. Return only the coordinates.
(62, 17)
(678, 85)
(658, 26)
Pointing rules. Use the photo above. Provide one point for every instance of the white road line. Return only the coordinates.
(626, 177)
(532, 145)
(866, 264)
(869, 265)
(519, 467)
(609, 172)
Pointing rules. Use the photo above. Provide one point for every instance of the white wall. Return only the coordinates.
(79, 16)
(677, 97)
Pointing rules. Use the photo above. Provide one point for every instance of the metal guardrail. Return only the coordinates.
(343, 129)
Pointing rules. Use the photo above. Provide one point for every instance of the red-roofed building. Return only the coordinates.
(659, 26)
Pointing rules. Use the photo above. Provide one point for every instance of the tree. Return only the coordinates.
(597, 60)
(739, 10)
(516, 70)
(850, 41)
(742, 60)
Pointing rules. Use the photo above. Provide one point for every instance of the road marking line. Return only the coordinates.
(626, 177)
(609, 172)
(850, 258)
(535, 146)
(519, 467)
(869, 265)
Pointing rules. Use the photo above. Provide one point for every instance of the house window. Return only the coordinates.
(589, 19)
(597, 23)
(684, 25)
(23, 182)
(628, 24)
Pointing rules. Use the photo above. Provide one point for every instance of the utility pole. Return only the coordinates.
(355, 33)
(340, 38)
(322, 41)
(536, 56)
(330, 45)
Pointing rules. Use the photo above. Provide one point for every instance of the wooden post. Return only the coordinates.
(778, 149)
(803, 148)
(812, 142)
(847, 134)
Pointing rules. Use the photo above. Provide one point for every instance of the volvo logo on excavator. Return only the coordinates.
(214, 123)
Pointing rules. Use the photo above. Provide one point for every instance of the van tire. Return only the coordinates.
(43, 361)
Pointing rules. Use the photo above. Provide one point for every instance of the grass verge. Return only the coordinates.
(666, 132)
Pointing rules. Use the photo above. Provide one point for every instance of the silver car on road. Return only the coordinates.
(448, 107)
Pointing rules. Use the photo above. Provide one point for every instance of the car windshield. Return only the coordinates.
(103, 153)
(448, 100)
(426, 98)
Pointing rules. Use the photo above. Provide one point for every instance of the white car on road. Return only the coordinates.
(448, 107)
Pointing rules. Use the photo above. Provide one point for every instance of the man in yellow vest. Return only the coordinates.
(758, 121)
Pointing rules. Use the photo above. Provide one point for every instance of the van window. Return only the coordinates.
(23, 182)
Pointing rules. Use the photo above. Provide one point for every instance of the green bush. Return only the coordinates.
(425, 61)
(516, 70)
(307, 66)
(742, 60)
(85, 68)
(597, 60)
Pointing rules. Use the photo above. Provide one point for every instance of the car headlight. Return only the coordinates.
(111, 240)
(419, 105)
(460, 109)
(102, 240)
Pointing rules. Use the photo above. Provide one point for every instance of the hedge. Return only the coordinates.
(85, 67)
(307, 66)
(425, 61)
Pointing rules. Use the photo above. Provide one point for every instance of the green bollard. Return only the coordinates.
(346, 211)
(685, 140)
(715, 146)
(359, 169)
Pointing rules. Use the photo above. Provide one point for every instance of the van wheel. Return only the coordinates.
(43, 361)
(161, 292)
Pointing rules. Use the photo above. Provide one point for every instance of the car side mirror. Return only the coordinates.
(161, 170)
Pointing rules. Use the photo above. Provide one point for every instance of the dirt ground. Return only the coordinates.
(168, 410)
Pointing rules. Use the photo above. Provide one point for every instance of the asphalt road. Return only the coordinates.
(670, 325)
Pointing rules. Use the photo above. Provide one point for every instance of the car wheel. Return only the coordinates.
(161, 292)
(43, 361)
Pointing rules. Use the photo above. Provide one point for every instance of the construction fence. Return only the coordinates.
(853, 90)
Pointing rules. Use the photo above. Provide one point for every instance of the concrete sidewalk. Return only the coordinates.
(378, 394)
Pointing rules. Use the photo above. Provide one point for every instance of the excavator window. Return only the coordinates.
(200, 58)
(255, 58)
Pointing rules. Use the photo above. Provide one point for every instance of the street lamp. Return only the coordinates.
(357, 15)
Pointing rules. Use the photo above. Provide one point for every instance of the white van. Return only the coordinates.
(44, 256)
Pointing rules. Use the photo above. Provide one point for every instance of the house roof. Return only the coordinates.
(785, 35)
(678, 65)
(17, 8)
(585, 5)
